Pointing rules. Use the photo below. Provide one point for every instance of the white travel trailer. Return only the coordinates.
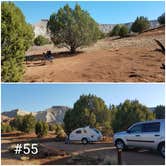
(85, 135)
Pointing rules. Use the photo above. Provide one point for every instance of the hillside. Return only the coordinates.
(40, 27)
(54, 114)
(130, 59)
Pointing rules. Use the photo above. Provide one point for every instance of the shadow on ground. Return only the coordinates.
(105, 157)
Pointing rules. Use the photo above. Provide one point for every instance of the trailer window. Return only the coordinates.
(85, 131)
(96, 130)
(78, 132)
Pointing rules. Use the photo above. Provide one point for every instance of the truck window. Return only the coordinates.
(151, 127)
(136, 129)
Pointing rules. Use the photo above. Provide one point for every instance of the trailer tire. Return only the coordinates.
(84, 141)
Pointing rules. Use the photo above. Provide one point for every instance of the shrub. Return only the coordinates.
(73, 28)
(58, 129)
(24, 123)
(28, 123)
(140, 24)
(16, 38)
(161, 19)
(41, 129)
(41, 40)
(52, 127)
(17, 122)
(123, 31)
(6, 128)
(160, 112)
(115, 31)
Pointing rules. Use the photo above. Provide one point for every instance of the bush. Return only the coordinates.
(161, 19)
(24, 123)
(123, 31)
(16, 38)
(6, 128)
(160, 112)
(41, 40)
(52, 127)
(41, 129)
(115, 31)
(140, 24)
(73, 28)
(17, 122)
(28, 123)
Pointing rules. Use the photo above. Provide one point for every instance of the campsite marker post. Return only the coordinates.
(119, 152)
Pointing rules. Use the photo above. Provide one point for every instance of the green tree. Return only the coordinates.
(129, 112)
(28, 123)
(88, 110)
(92, 119)
(161, 19)
(140, 24)
(16, 38)
(115, 31)
(73, 28)
(41, 129)
(59, 131)
(52, 127)
(17, 122)
(160, 112)
(41, 40)
(123, 31)
(5, 128)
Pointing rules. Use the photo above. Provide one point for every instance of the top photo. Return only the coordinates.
(83, 41)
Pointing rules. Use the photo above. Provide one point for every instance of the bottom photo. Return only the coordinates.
(83, 124)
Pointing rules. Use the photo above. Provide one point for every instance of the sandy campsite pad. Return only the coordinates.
(74, 152)
(131, 59)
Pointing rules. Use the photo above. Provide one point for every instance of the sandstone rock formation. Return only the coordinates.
(54, 114)
(40, 28)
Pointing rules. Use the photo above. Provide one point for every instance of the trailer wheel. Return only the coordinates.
(84, 141)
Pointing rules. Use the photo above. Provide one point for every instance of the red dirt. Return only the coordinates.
(95, 151)
(132, 59)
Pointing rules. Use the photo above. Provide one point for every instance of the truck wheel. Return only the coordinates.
(120, 144)
(84, 141)
(162, 149)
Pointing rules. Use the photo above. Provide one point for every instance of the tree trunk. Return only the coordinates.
(72, 50)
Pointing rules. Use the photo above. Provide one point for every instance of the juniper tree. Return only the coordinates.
(73, 28)
(16, 38)
(123, 31)
(161, 19)
(89, 110)
(140, 24)
(115, 31)
(129, 112)
(41, 128)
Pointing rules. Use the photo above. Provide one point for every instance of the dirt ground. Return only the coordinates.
(130, 59)
(74, 151)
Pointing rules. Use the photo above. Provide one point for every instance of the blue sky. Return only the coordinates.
(37, 97)
(103, 12)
